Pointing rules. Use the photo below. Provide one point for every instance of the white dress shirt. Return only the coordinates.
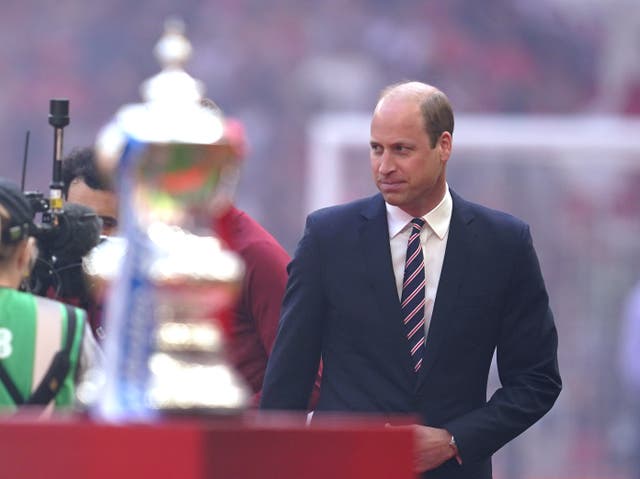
(433, 240)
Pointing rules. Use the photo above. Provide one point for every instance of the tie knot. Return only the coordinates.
(417, 223)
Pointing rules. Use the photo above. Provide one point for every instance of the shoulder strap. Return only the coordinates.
(59, 368)
(10, 385)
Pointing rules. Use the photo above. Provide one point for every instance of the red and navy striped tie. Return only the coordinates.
(413, 295)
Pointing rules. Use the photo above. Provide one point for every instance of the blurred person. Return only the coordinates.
(418, 339)
(84, 185)
(45, 346)
(629, 356)
(255, 323)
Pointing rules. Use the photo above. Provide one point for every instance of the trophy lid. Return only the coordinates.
(172, 109)
(172, 51)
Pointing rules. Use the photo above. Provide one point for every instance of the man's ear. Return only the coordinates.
(445, 143)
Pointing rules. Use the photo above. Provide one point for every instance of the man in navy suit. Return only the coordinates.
(406, 295)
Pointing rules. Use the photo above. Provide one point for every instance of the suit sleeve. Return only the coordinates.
(295, 356)
(527, 363)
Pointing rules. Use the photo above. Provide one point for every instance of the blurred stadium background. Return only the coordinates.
(547, 95)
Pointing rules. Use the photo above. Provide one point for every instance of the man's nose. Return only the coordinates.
(387, 165)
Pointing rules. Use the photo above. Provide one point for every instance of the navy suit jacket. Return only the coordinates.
(342, 305)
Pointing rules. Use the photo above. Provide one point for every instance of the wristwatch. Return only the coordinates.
(454, 446)
(452, 443)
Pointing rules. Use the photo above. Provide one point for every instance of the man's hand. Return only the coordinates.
(431, 447)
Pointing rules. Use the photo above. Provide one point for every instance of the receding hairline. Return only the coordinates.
(408, 89)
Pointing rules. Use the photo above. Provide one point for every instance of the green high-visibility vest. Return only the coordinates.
(32, 330)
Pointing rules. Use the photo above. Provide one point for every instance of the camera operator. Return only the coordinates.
(46, 347)
(84, 187)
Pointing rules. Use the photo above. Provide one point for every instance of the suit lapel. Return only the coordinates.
(453, 272)
(374, 238)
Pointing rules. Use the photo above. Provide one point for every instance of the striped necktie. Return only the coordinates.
(413, 295)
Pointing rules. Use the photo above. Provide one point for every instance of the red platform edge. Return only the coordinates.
(266, 446)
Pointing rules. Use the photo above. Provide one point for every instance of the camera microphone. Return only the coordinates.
(58, 119)
(58, 113)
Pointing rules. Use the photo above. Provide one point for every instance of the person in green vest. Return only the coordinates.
(46, 347)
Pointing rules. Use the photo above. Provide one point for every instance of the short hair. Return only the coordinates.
(81, 163)
(436, 109)
(437, 115)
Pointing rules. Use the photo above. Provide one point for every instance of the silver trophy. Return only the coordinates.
(170, 279)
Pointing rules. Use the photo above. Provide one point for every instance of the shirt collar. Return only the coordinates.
(438, 218)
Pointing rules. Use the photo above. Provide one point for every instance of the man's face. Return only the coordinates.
(409, 173)
(104, 203)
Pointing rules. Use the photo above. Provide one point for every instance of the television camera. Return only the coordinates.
(65, 232)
